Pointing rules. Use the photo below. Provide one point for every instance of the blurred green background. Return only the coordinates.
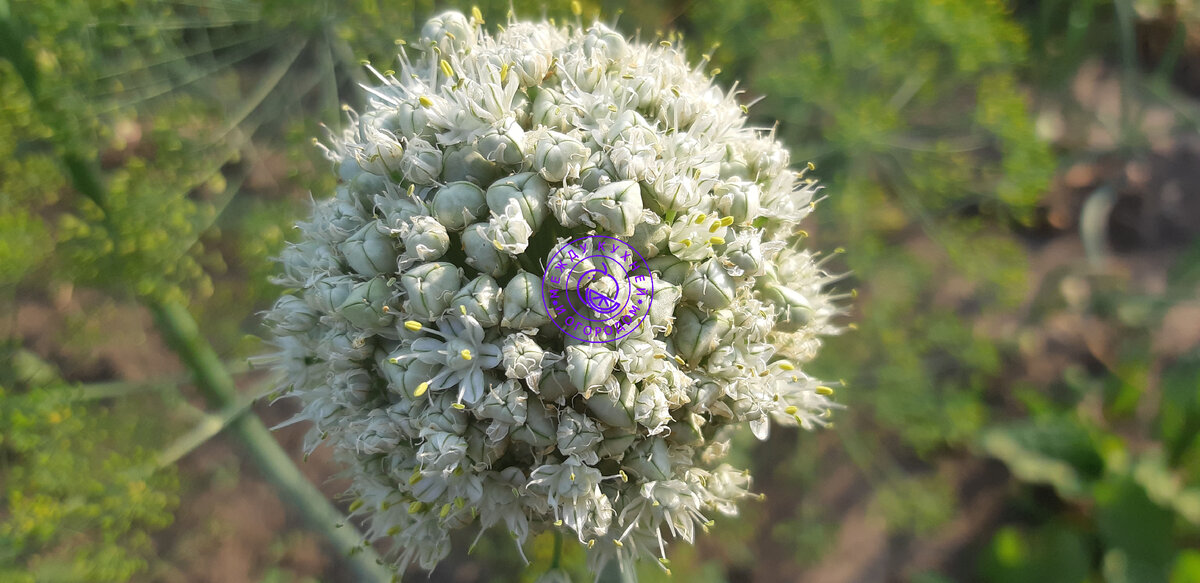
(1012, 187)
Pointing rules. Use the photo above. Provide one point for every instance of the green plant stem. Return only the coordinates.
(556, 558)
(182, 333)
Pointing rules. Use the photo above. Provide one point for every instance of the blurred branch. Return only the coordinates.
(183, 335)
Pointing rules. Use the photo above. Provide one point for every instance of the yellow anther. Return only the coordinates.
(716, 240)
(446, 70)
(572, 476)
(680, 360)
(463, 309)
(504, 72)
(416, 507)
(385, 309)
(394, 360)
(655, 503)
(459, 406)
(812, 166)
(824, 391)
(476, 14)
(725, 222)
(713, 228)
(686, 242)
(618, 543)
(421, 388)
(576, 7)
(445, 511)
(465, 354)
(791, 410)
(700, 218)
(425, 101)
(558, 523)
(356, 504)
(826, 414)
(416, 477)
(497, 245)
(413, 325)
(393, 531)
(624, 476)
(591, 543)
(787, 366)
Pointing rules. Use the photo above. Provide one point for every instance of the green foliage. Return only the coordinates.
(916, 120)
(80, 497)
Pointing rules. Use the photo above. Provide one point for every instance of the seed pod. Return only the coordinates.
(662, 306)
(650, 235)
(590, 367)
(503, 145)
(616, 408)
(364, 307)
(556, 156)
(425, 239)
(528, 189)
(523, 305)
(459, 204)
(578, 436)
(739, 199)
(422, 163)
(450, 31)
(483, 252)
(745, 254)
(509, 231)
(698, 333)
(566, 203)
(522, 356)
(479, 299)
(429, 289)
(463, 163)
(327, 293)
(540, 429)
(709, 286)
(370, 251)
(616, 207)
(793, 310)
(291, 315)
(650, 459)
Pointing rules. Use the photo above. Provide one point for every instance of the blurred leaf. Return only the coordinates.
(1050, 554)
(1137, 532)
(1057, 452)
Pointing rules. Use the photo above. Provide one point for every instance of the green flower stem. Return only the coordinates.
(214, 381)
(181, 332)
(556, 558)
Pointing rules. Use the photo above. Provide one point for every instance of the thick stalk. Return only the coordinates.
(180, 330)
(183, 335)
